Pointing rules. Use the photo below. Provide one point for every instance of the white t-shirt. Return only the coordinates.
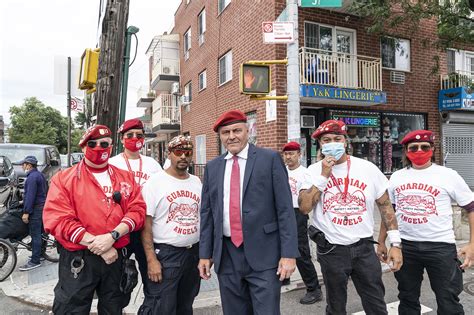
(104, 181)
(345, 222)
(149, 167)
(423, 202)
(174, 205)
(296, 178)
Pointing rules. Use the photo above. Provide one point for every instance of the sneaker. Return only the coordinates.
(287, 281)
(312, 297)
(29, 266)
(41, 258)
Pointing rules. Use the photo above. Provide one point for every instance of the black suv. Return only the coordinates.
(49, 162)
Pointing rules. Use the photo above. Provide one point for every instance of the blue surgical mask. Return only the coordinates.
(334, 149)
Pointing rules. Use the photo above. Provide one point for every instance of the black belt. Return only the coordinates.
(163, 245)
(361, 241)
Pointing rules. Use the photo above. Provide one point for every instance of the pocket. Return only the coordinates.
(270, 227)
(456, 277)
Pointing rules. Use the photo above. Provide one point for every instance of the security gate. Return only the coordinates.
(458, 149)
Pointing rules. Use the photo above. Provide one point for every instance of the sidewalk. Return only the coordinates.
(36, 286)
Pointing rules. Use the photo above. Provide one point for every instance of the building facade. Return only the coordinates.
(381, 86)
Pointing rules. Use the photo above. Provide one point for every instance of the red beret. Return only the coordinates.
(95, 132)
(291, 146)
(330, 126)
(229, 118)
(134, 123)
(418, 136)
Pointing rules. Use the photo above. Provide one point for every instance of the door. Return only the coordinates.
(346, 59)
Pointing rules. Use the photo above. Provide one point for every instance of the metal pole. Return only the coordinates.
(292, 77)
(68, 111)
(123, 95)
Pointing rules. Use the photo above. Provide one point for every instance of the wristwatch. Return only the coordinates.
(115, 235)
(396, 244)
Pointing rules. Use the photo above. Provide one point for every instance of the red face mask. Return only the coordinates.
(133, 144)
(98, 155)
(420, 157)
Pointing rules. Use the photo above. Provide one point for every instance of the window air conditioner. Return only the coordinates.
(307, 121)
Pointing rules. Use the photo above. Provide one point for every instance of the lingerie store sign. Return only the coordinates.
(333, 95)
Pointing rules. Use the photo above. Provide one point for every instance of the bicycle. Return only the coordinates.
(8, 255)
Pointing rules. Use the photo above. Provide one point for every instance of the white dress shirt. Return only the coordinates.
(242, 159)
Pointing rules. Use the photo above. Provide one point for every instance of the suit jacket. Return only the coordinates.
(268, 218)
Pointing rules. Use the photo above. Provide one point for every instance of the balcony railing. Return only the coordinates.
(457, 79)
(165, 110)
(331, 68)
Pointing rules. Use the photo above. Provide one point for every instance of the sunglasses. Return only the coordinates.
(137, 135)
(94, 143)
(415, 148)
(179, 152)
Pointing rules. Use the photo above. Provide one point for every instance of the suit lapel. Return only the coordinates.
(249, 166)
(220, 183)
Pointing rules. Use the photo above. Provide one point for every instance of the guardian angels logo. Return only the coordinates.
(416, 202)
(183, 212)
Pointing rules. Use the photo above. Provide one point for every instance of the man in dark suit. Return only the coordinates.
(248, 226)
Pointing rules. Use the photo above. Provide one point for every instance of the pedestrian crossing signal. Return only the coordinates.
(89, 69)
(255, 79)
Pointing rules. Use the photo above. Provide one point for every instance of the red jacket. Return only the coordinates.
(76, 203)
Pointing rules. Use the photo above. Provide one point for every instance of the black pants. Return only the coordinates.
(74, 295)
(180, 284)
(245, 291)
(304, 263)
(136, 247)
(359, 262)
(442, 265)
(35, 226)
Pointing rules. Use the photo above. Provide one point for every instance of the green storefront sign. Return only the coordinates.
(321, 3)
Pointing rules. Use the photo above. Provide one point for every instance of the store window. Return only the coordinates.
(376, 137)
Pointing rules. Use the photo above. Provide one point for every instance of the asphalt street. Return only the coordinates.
(11, 306)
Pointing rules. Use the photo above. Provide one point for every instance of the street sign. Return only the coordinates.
(278, 32)
(321, 3)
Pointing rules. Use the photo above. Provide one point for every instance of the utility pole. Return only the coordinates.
(112, 44)
(292, 77)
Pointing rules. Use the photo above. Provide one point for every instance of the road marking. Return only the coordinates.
(392, 309)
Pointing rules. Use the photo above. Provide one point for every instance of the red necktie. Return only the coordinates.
(234, 205)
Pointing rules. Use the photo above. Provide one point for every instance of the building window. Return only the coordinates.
(201, 26)
(451, 61)
(395, 53)
(225, 68)
(222, 4)
(202, 80)
(201, 149)
(187, 43)
(252, 123)
(188, 92)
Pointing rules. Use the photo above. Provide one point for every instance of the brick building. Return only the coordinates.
(382, 87)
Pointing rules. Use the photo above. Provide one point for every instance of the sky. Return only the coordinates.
(35, 32)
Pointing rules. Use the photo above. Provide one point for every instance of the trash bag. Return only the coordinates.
(11, 224)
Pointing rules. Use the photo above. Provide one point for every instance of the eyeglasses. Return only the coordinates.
(416, 147)
(103, 144)
(136, 134)
(179, 152)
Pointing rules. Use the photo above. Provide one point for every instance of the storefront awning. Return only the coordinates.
(321, 94)
(461, 98)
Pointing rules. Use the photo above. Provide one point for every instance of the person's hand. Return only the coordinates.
(382, 252)
(155, 271)
(249, 79)
(327, 163)
(25, 218)
(395, 259)
(286, 266)
(101, 243)
(110, 256)
(204, 267)
(467, 253)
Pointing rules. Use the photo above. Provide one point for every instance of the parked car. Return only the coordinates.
(8, 181)
(49, 162)
(75, 158)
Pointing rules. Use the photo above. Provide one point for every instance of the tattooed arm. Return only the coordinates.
(389, 223)
(154, 266)
(308, 198)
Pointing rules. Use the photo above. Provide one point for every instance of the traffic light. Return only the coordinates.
(255, 79)
(89, 69)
